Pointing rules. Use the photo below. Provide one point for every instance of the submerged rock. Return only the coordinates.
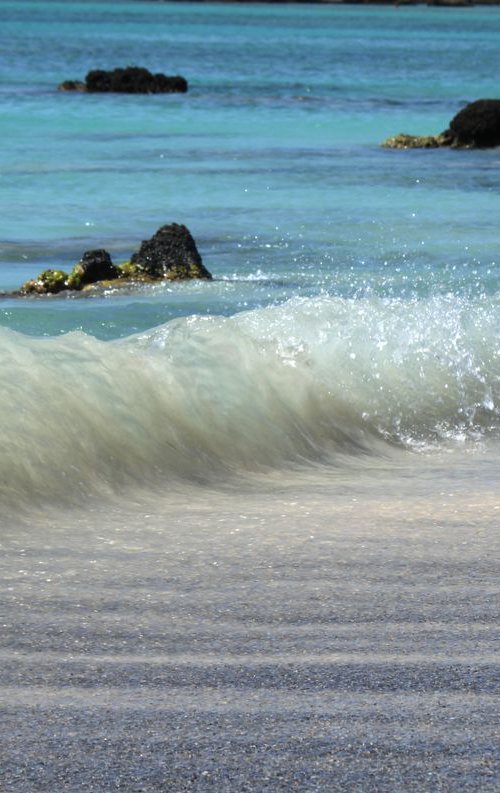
(477, 126)
(171, 253)
(128, 80)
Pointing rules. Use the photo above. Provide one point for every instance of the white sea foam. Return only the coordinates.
(202, 397)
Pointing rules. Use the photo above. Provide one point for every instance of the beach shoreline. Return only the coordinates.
(285, 641)
(249, 524)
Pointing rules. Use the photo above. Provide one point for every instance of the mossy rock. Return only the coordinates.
(179, 272)
(128, 275)
(132, 271)
(94, 266)
(75, 278)
(50, 282)
(476, 126)
(171, 255)
(403, 141)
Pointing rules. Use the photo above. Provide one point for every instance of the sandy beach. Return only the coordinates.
(304, 641)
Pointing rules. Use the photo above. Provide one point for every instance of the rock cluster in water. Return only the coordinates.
(171, 254)
(476, 126)
(128, 80)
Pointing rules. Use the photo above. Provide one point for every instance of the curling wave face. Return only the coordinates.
(312, 380)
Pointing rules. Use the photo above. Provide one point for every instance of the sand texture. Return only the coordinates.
(295, 642)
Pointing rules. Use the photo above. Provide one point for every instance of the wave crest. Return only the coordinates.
(204, 397)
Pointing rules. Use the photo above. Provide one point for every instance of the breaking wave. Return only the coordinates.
(312, 380)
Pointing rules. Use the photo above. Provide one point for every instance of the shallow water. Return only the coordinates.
(354, 301)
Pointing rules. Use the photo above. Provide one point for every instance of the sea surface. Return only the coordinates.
(337, 380)
(354, 313)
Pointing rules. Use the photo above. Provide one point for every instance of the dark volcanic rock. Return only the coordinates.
(133, 80)
(93, 266)
(477, 125)
(171, 253)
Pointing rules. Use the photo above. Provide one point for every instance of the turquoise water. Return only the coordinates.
(355, 293)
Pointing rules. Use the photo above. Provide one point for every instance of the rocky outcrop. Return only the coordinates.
(171, 254)
(128, 80)
(476, 126)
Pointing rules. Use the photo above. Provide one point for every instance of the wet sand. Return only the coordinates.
(308, 639)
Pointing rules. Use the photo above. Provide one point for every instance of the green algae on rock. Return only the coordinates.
(129, 270)
(170, 255)
(403, 141)
(48, 282)
(94, 266)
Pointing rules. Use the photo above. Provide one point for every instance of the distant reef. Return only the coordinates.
(396, 3)
(169, 255)
(476, 126)
(127, 80)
